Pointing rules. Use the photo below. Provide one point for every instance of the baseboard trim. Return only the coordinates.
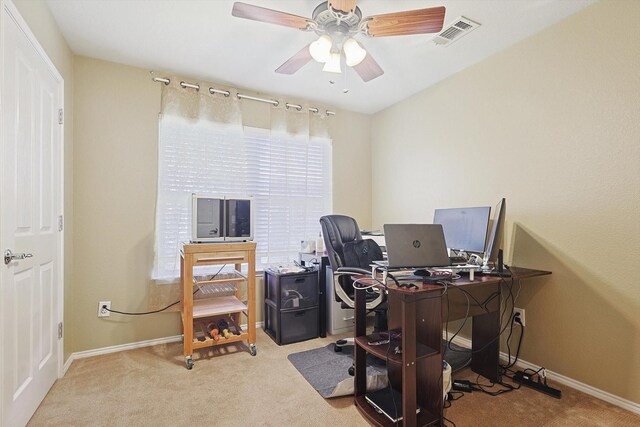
(129, 346)
(564, 380)
(117, 348)
(67, 364)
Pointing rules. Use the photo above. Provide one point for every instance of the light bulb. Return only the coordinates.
(333, 64)
(353, 52)
(320, 49)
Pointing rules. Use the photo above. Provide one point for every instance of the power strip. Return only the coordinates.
(525, 379)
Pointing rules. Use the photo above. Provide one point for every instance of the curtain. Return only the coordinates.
(187, 118)
(203, 148)
(193, 105)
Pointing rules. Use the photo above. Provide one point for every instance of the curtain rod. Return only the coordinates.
(226, 93)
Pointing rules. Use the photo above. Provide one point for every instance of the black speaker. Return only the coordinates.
(500, 261)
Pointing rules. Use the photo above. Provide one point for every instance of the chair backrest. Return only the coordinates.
(341, 230)
(336, 231)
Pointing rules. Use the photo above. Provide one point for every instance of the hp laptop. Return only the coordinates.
(415, 246)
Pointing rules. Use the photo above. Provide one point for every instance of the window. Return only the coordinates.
(289, 178)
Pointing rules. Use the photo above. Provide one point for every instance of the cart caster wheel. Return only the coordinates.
(253, 349)
(189, 362)
(352, 371)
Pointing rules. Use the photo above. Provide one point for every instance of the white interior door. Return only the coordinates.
(30, 204)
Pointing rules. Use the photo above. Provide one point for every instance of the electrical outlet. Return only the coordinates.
(519, 312)
(101, 311)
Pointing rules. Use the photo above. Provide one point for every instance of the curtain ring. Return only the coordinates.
(189, 85)
(296, 106)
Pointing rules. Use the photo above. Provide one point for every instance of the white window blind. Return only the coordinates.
(289, 178)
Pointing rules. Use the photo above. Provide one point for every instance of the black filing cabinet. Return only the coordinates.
(291, 306)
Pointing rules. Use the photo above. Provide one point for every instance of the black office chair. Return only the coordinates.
(338, 230)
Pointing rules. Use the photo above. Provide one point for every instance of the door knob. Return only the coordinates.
(10, 256)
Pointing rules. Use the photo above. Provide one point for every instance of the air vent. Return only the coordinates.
(460, 27)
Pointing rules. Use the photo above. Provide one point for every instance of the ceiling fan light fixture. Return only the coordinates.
(333, 64)
(320, 49)
(353, 52)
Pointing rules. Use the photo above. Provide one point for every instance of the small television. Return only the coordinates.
(494, 243)
(221, 218)
(465, 229)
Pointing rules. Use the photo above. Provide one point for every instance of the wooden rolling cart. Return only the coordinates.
(196, 313)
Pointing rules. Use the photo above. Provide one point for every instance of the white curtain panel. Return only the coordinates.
(204, 149)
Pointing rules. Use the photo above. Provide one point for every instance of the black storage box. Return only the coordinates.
(291, 306)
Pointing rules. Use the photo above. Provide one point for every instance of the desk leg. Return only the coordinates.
(409, 368)
(486, 328)
(360, 354)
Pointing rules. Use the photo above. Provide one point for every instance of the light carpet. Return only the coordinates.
(229, 387)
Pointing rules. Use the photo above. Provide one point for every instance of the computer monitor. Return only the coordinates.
(465, 229)
(494, 243)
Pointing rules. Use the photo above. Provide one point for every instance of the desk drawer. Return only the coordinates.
(289, 326)
(298, 291)
(233, 257)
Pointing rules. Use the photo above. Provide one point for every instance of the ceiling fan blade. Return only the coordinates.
(345, 6)
(368, 69)
(262, 14)
(421, 21)
(296, 62)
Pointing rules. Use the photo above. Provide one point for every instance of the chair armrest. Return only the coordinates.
(353, 270)
(344, 271)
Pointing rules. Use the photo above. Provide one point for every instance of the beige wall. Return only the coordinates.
(44, 27)
(115, 167)
(553, 125)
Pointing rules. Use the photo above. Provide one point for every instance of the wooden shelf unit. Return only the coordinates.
(416, 372)
(214, 307)
(385, 353)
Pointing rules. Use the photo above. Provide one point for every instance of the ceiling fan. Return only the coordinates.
(337, 22)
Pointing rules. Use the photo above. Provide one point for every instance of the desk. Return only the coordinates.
(420, 315)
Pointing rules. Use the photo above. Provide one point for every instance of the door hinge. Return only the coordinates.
(60, 116)
(60, 223)
(60, 330)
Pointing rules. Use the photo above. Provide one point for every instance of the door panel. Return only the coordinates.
(22, 291)
(45, 315)
(46, 161)
(31, 194)
(24, 77)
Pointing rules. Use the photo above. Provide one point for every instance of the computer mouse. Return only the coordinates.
(422, 272)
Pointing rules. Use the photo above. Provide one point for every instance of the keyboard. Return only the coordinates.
(455, 260)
